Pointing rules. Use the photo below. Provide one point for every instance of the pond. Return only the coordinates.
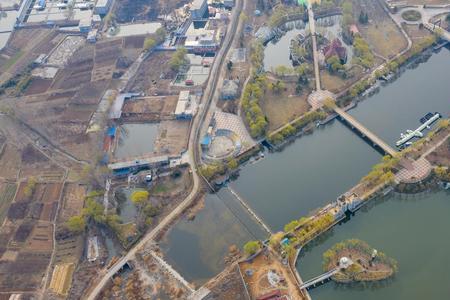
(136, 140)
(196, 249)
(276, 52)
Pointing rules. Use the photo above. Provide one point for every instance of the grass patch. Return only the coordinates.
(12, 61)
(6, 197)
(411, 15)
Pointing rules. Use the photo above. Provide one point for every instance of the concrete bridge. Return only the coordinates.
(444, 34)
(366, 133)
(319, 279)
(172, 271)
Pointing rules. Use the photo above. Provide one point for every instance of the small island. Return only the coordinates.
(355, 261)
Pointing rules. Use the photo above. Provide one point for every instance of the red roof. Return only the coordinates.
(335, 48)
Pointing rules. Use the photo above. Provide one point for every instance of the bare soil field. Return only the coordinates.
(258, 283)
(336, 84)
(172, 137)
(73, 201)
(150, 109)
(285, 106)
(10, 162)
(27, 236)
(24, 47)
(38, 86)
(381, 33)
(416, 34)
(145, 10)
(441, 156)
(429, 2)
(154, 76)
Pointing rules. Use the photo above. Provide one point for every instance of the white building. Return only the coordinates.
(102, 7)
(185, 107)
(198, 9)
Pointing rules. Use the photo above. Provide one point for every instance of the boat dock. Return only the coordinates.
(410, 134)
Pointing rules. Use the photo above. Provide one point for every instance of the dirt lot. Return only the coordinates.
(442, 155)
(381, 33)
(25, 46)
(421, 2)
(154, 75)
(143, 10)
(258, 284)
(416, 34)
(284, 107)
(172, 137)
(27, 237)
(151, 109)
(73, 201)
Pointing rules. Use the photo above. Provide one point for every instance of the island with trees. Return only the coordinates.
(366, 263)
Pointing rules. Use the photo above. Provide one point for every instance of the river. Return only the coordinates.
(412, 229)
(316, 169)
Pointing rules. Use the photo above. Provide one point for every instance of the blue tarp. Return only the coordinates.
(111, 131)
(206, 140)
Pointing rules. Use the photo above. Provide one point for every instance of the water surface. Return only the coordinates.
(136, 139)
(411, 229)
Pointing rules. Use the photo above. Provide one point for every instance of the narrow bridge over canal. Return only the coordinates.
(365, 132)
(319, 279)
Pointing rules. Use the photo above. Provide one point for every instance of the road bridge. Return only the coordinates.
(365, 132)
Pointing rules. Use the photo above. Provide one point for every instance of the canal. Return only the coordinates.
(412, 229)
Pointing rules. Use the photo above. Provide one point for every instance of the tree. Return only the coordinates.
(149, 43)
(139, 198)
(160, 34)
(291, 226)
(178, 59)
(229, 65)
(76, 224)
(94, 210)
(334, 64)
(275, 239)
(251, 247)
(232, 164)
(363, 17)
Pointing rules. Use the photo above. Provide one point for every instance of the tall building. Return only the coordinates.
(199, 9)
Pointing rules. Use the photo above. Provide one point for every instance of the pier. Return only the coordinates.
(418, 132)
(366, 133)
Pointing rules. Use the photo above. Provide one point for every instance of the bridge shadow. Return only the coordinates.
(362, 136)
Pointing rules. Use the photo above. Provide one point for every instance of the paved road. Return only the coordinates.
(193, 153)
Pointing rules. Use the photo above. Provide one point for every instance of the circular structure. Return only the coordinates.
(411, 15)
(344, 262)
(224, 144)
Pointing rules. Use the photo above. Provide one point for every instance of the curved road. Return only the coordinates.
(193, 153)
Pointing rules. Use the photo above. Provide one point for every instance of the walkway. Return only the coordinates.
(172, 271)
(251, 212)
(319, 279)
(312, 28)
(365, 132)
